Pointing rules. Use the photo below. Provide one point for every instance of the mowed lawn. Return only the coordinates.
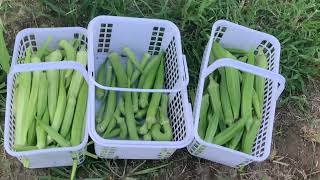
(295, 23)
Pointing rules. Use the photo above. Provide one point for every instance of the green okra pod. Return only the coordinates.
(203, 116)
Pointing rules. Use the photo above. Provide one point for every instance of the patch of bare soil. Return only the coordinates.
(23, 14)
(296, 138)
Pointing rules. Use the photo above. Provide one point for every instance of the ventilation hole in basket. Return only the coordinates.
(264, 108)
(33, 43)
(258, 146)
(171, 65)
(76, 35)
(156, 40)
(269, 45)
(32, 37)
(268, 108)
(264, 136)
(176, 116)
(271, 66)
(269, 98)
(223, 29)
(271, 59)
(265, 126)
(258, 142)
(104, 37)
(265, 51)
(260, 136)
(267, 114)
(220, 35)
(272, 50)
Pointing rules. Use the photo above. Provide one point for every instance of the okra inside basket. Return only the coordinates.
(135, 115)
(49, 99)
(48, 110)
(232, 110)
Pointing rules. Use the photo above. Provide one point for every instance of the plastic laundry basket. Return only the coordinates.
(108, 33)
(235, 36)
(51, 157)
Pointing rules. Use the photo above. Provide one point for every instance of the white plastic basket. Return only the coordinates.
(51, 157)
(108, 33)
(235, 36)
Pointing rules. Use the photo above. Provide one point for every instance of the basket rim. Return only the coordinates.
(182, 65)
(20, 35)
(35, 67)
(270, 38)
(123, 18)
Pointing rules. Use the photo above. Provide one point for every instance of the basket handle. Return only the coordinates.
(189, 111)
(109, 88)
(43, 66)
(185, 68)
(250, 69)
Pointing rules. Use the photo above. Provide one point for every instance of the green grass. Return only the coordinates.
(296, 23)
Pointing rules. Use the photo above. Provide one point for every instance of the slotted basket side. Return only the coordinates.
(107, 34)
(35, 37)
(235, 36)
